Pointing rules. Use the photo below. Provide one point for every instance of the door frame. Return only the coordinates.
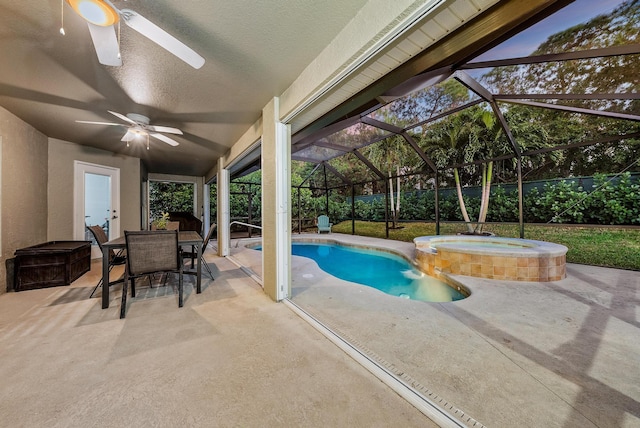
(80, 169)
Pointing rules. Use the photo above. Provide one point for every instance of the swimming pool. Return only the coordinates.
(386, 272)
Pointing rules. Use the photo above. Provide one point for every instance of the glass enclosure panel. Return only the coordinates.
(572, 29)
(356, 136)
(393, 156)
(316, 154)
(353, 168)
(458, 137)
(611, 75)
(424, 104)
(538, 130)
(323, 179)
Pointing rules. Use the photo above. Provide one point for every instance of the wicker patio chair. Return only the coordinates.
(114, 259)
(150, 252)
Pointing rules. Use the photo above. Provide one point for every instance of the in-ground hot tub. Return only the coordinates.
(491, 257)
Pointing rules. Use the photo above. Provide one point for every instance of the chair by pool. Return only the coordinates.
(323, 224)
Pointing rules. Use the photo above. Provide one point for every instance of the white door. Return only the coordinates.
(97, 201)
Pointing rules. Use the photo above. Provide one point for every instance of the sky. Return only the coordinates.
(524, 43)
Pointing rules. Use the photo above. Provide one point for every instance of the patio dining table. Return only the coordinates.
(187, 237)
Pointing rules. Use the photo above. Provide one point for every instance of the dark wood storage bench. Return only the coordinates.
(51, 264)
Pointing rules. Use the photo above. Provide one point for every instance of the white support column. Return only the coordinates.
(223, 210)
(276, 203)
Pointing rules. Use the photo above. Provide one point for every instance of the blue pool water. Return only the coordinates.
(386, 272)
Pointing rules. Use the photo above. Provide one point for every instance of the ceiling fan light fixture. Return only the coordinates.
(139, 129)
(98, 12)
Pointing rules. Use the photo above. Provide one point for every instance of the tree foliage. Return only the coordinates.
(169, 197)
(474, 136)
(602, 75)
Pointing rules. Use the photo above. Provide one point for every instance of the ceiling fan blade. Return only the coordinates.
(98, 123)
(123, 117)
(164, 138)
(106, 44)
(157, 35)
(129, 136)
(166, 129)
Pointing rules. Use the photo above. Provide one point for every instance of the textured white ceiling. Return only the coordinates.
(253, 51)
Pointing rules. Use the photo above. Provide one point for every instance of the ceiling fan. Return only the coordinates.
(138, 127)
(101, 17)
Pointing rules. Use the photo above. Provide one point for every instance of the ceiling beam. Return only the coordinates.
(371, 166)
(601, 113)
(476, 87)
(337, 173)
(409, 139)
(624, 96)
(564, 56)
(444, 114)
(381, 125)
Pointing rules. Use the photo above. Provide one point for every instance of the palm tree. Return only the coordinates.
(462, 138)
(485, 137)
(393, 156)
(443, 142)
(476, 133)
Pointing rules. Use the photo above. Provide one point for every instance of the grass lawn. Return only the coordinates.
(610, 247)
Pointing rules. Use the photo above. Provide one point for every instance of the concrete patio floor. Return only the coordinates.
(229, 358)
(557, 354)
(560, 354)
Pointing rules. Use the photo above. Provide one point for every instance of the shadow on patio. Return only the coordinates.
(229, 357)
(558, 354)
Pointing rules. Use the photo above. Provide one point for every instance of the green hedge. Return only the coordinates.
(608, 202)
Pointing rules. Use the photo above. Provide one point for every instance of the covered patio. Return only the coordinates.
(540, 354)
(561, 356)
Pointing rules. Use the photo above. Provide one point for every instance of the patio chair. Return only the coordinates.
(114, 259)
(150, 252)
(323, 224)
(193, 254)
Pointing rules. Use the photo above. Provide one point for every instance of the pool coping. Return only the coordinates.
(524, 247)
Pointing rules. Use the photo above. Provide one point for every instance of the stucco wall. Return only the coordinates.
(23, 188)
(62, 155)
